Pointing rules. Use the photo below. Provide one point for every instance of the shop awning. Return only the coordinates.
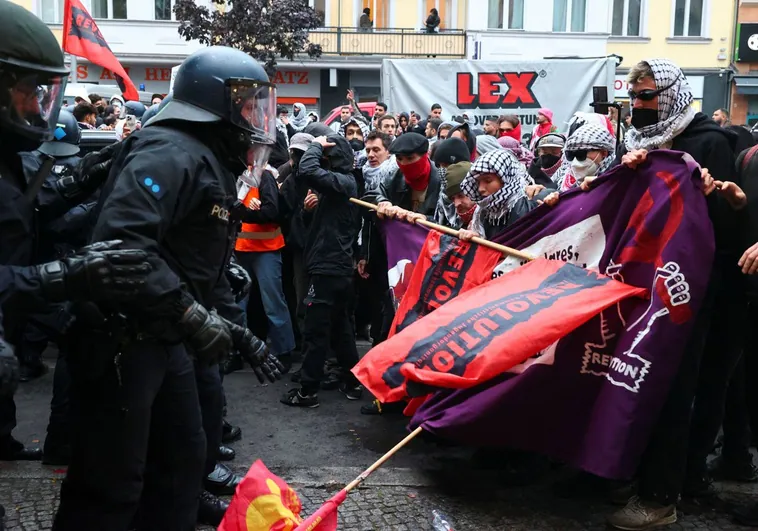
(746, 85)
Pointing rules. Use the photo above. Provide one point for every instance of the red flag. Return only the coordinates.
(82, 37)
(263, 502)
(325, 518)
(446, 267)
(488, 330)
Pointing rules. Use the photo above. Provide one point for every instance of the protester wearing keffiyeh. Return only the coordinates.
(674, 109)
(494, 209)
(299, 117)
(524, 155)
(589, 137)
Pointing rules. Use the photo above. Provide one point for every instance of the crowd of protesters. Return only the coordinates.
(480, 181)
(320, 272)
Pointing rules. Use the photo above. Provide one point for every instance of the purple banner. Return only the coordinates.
(403, 242)
(591, 399)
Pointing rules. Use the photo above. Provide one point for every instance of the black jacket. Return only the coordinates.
(397, 192)
(168, 194)
(712, 147)
(335, 223)
(293, 217)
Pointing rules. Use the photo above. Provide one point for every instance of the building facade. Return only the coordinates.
(143, 34)
(744, 88)
(695, 34)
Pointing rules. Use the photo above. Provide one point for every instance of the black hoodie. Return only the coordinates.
(712, 147)
(335, 222)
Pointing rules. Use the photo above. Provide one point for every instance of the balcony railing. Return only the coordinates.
(392, 42)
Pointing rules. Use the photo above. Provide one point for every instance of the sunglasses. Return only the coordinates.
(579, 154)
(649, 94)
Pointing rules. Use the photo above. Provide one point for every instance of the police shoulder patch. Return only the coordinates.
(155, 188)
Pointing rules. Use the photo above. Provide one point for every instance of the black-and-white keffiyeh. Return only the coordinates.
(494, 208)
(364, 128)
(445, 213)
(299, 117)
(578, 120)
(589, 136)
(675, 111)
(384, 172)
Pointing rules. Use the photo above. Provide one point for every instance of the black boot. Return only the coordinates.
(222, 481)
(58, 454)
(13, 450)
(225, 453)
(210, 510)
(230, 433)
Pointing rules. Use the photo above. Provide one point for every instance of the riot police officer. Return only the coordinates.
(139, 451)
(63, 149)
(32, 82)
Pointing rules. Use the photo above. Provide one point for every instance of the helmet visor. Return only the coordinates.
(253, 108)
(35, 101)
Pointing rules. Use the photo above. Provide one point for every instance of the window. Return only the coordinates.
(115, 9)
(627, 18)
(51, 11)
(320, 7)
(506, 14)
(162, 9)
(689, 19)
(569, 15)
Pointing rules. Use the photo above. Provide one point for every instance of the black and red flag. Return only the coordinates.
(488, 330)
(82, 37)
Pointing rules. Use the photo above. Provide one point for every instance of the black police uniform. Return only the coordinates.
(138, 433)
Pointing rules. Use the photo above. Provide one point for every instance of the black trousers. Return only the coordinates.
(663, 466)
(737, 432)
(211, 395)
(59, 426)
(328, 323)
(138, 444)
(723, 351)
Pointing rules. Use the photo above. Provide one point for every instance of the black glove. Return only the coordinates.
(97, 272)
(238, 279)
(91, 172)
(256, 353)
(9, 374)
(207, 334)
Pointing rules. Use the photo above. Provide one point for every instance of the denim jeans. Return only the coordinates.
(266, 268)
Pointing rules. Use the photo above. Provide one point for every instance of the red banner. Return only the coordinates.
(446, 267)
(82, 37)
(488, 330)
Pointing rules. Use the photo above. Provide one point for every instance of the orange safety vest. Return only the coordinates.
(258, 237)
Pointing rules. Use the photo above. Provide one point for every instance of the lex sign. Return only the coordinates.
(480, 89)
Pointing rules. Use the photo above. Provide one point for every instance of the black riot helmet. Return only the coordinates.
(32, 79)
(221, 84)
(134, 108)
(66, 137)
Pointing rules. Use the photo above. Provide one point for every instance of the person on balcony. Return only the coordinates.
(365, 23)
(433, 21)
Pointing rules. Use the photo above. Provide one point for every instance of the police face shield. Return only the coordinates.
(257, 160)
(32, 103)
(253, 109)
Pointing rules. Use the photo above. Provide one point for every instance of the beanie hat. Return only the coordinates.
(450, 151)
(547, 113)
(485, 143)
(409, 144)
(455, 175)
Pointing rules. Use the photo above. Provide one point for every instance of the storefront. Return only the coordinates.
(621, 88)
(296, 85)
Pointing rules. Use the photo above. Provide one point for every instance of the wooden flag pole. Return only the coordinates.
(370, 470)
(452, 232)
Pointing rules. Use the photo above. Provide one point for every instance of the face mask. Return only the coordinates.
(417, 173)
(644, 117)
(548, 161)
(356, 144)
(583, 168)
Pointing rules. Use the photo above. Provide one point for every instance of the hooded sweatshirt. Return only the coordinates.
(335, 223)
